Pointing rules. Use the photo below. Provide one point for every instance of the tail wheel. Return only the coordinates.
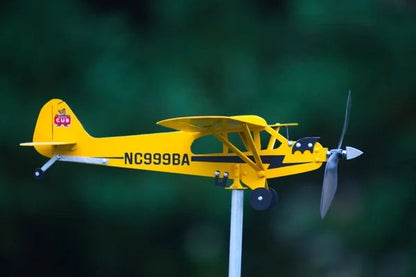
(38, 173)
(261, 199)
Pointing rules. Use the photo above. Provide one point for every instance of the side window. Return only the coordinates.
(269, 141)
(264, 139)
(208, 144)
(276, 144)
(237, 141)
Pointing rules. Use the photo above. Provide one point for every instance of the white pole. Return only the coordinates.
(236, 232)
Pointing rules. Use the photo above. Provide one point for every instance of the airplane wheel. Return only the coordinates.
(261, 199)
(274, 197)
(38, 173)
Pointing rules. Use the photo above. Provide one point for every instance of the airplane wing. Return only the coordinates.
(217, 125)
(223, 124)
(213, 124)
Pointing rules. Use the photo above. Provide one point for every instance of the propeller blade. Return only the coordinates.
(330, 183)
(346, 119)
(329, 186)
(352, 153)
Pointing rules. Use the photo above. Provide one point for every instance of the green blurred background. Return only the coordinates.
(124, 65)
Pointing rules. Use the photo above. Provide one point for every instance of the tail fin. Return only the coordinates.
(57, 126)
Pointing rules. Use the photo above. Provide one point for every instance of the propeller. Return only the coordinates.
(330, 183)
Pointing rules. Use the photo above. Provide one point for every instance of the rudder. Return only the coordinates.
(57, 126)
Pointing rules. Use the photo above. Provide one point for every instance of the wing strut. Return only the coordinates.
(252, 147)
(257, 164)
(237, 151)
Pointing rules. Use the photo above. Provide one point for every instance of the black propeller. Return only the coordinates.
(330, 183)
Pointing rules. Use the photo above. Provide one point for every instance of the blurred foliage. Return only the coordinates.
(123, 65)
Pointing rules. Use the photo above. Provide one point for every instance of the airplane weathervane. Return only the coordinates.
(60, 136)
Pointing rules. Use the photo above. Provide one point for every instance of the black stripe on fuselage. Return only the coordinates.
(274, 161)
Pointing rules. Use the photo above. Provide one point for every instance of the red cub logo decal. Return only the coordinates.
(62, 118)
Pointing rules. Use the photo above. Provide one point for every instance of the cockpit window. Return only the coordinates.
(269, 141)
(209, 144)
(206, 145)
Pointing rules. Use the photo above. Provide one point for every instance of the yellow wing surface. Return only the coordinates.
(214, 124)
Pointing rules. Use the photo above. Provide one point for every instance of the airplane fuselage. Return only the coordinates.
(171, 152)
(58, 133)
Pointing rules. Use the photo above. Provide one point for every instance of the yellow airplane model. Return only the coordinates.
(60, 136)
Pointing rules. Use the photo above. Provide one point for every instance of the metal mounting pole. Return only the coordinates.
(236, 232)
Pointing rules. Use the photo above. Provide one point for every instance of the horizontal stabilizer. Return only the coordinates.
(47, 143)
(284, 125)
